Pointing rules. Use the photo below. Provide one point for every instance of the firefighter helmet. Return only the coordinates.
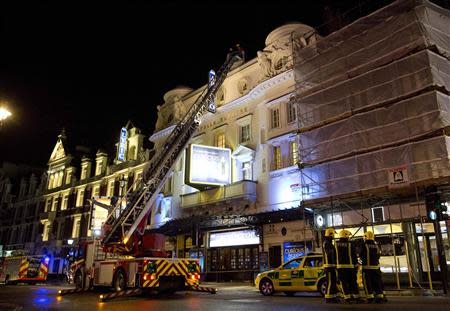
(330, 232)
(369, 236)
(344, 234)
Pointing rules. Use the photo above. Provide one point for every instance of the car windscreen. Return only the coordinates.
(293, 264)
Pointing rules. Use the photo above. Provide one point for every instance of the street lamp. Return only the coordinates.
(4, 114)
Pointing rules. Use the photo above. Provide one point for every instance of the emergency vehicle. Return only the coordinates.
(24, 269)
(302, 274)
(125, 255)
(95, 268)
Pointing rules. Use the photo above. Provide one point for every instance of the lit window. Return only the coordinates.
(76, 228)
(69, 177)
(111, 188)
(98, 168)
(294, 152)
(65, 202)
(277, 157)
(220, 140)
(50, 181)
(247, 171)
(80, 198)
(55, 204)
(48, 206)
(244, 133)
(96, 191)
(83, 172)
(275, 118)
(378, 214)
(291, 111)
(46, 232)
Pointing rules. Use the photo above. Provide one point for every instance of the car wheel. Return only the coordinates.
(119, 281)
(290, 294)
(322, 287)
(78, 280)
(266, 287)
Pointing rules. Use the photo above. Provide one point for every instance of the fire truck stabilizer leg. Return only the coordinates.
(197, 288)
(63, 292)
(122, 293)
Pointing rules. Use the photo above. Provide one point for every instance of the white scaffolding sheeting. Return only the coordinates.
(424, 160)
(372, 99)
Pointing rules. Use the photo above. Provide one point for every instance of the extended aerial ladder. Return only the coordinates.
(129, 215)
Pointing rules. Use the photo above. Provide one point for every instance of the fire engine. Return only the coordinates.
(125, 256)
(24, 269)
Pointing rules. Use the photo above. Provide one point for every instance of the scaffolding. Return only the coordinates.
(373, 110)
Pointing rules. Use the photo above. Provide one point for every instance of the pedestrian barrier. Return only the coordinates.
(122, 293)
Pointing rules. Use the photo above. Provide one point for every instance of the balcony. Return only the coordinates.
(284, 163)
(245, 190)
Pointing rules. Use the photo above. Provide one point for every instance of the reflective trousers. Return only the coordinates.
(332, 290)
(348, 279)
(373, 284)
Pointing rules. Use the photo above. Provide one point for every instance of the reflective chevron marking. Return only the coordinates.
(122, 293)
(198, 288)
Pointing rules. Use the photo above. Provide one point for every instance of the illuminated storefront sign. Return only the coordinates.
(293, 250)
(233, 238)
(99, 214)
(208, 165)
(122, 144)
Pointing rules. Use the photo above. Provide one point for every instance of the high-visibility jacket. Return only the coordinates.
(329, 254)
(370, 255)
(345, 254)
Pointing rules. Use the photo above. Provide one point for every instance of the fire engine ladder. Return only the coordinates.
(124, 220)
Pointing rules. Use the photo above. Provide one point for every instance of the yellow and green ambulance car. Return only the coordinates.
(302, 274)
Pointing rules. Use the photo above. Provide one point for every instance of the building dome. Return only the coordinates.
(179, 92)
(284, 31)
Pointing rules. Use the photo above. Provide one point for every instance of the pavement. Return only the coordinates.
(247, 286)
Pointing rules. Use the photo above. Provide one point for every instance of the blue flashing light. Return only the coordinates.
(47, 259)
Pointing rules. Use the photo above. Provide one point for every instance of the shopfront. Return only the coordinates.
(233, 255)
(408, 249)
(427, 247)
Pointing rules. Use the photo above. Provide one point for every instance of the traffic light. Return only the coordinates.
(435, 207)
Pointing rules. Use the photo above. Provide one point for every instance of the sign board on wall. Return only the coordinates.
(398, 176)
(293, 250)
(208, 165)
(233, 238)
(122, 144)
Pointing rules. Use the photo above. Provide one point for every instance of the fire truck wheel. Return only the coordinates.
(78, 280)
(119, 281)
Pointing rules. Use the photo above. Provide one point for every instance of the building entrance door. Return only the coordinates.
(429, 255)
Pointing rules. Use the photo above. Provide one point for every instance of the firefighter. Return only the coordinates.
(347, 265)
(370, 257)
(329, 257)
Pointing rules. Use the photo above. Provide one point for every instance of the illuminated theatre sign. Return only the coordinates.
(233, 238)
(208, 165)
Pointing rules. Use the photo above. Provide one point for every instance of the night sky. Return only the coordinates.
(90, 68)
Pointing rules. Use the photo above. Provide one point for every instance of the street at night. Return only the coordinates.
(229, 297)
(167, 154)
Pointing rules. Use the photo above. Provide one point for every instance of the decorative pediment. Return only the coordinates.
(58, 151)
(243, 154)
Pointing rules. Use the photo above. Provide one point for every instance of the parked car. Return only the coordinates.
(302, 274)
